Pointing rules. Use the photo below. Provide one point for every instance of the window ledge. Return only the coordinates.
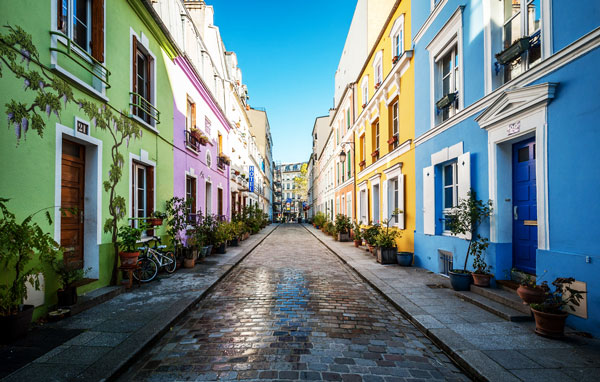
(193, 150)
(144, 123)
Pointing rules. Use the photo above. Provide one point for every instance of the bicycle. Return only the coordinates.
(153, 259)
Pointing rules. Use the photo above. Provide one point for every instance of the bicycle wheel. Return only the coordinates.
(148, 270)
(170, 262)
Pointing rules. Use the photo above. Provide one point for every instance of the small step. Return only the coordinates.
(95, 297)
(494, 307)
(508, 285)
(509, 298)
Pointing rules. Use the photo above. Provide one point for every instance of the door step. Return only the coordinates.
(504, 304)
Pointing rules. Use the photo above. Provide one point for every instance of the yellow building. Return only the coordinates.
(384, 130)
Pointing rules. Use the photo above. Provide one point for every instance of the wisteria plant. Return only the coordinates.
(51, 95)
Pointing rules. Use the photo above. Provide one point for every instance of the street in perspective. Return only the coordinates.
(344, 190)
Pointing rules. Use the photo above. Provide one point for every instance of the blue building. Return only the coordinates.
(507, 103)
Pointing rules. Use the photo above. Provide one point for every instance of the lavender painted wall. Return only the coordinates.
(194, 163)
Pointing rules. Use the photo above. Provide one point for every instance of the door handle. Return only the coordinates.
(515, 213)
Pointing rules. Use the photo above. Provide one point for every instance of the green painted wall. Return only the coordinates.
(28, 171)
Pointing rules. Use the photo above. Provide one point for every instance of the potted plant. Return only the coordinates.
(68, 275)
(386, 244)
(375, 154)
(481, 270)
(357, 234)
(362, 163)
(550, 315)
(465, 219)
(20, 243)
(370, 236)
(177, 222)
(395, 59)
(189, 260)
(319, 219)
(128, 242)
(343, 227)
(221, 237)
(156, 218)
(392, 140)
(530, 292)
(196, 133)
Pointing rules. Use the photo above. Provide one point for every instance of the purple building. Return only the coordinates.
(201, 168)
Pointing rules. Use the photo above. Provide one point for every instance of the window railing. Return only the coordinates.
(143, 108)
(191, 141)
(221, 162)
(102, 75)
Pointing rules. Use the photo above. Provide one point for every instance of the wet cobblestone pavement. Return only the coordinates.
(291, 310)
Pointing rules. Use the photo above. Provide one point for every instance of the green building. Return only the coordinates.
(117, 62)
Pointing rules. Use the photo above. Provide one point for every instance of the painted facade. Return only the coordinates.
(384, 130)
(520, 135)
(64, 151)
(158, 67)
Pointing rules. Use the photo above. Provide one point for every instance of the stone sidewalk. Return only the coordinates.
(486, 346)
(116, 331)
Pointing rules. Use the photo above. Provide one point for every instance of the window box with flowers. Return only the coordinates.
(364, 105)
(375, 154)
(395, 59)
(392, 140)
(362, 163)
(377, 85)
(197, 134)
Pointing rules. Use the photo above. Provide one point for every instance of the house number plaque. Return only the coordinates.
(514, 128)
(82, 127)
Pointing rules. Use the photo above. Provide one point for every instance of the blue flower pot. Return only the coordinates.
(460, 281)
(404, 259)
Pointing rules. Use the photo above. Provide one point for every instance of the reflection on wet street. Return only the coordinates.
(292, 310)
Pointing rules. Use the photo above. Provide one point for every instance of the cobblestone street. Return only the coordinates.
(292, 310)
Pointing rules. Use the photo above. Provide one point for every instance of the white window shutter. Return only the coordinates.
(464, 175)
(385, 201)
(464, 181)
(401, 205)
(428, 201)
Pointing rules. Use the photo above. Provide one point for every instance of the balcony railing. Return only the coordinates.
(143, 108)
(102, 74)
(191, 141)
(221, 162)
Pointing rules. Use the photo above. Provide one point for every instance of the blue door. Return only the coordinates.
(524, 206)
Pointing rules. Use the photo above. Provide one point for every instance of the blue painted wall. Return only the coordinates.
(573, 154)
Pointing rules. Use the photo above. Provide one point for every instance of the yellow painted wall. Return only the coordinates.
(406, 127)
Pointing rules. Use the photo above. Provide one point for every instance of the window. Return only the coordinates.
(521, 19)
(375, 191)
(362, 148)
(378, 69)
(348, 205)
(377, 137)
(363, 206)
(190, 194)
(190, 117)
(220, 202)
(142, 88)
(393, 201)
(395, 133)
(349, 159)
(220, 144)
(208, 199)
(450, 185)
(397, 38)
(449, 85)
(347, 118)
(365, 91)
(82, 21)
(142, 191)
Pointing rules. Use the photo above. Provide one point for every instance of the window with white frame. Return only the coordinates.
(446, 70)
(142, 191)
(395, 125)
(397, 37)
(142, 95)
(393, 202)
(448, 84)
(365, 90)
(349, 205)
(521, 32)
(450, 190)
(363, 206)
(375, 196)
(378, 69)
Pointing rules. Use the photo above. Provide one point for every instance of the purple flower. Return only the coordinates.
(56, 113)
(128, 141)
(25, 56)
(65, 99)
(27, 83)
(41, 85)
(80, 105)
(48, 110)
(24, 124)
(118, 210)
(10, 117)
(17, 130)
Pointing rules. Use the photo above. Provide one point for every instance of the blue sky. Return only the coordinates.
(288, 52)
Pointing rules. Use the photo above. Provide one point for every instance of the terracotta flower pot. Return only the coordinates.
(531, 295)
(189, 263)
(549, 324)
(155, 222)
(481, 280)
(129, 259)
(357, 243)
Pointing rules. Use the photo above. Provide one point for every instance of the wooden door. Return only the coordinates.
(72, 197)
